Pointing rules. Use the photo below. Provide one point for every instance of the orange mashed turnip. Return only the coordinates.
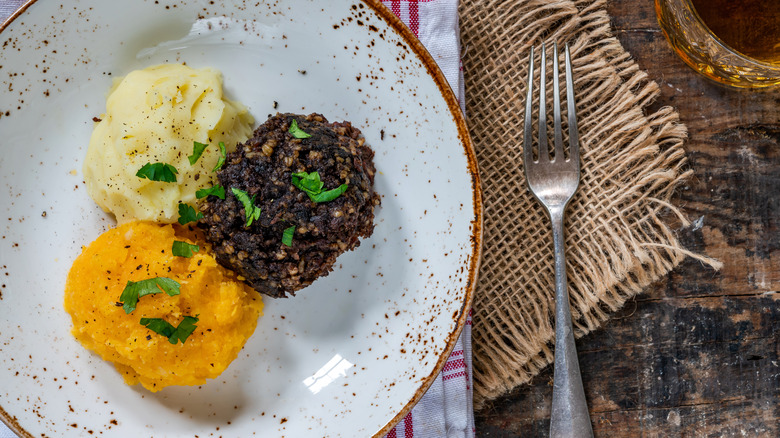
(227, 309)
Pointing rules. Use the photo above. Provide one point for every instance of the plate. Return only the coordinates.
(348, 356)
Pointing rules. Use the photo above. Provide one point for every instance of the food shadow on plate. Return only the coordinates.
(217, 402)
(319, 311)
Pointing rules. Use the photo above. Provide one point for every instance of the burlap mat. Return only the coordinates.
(631, 164)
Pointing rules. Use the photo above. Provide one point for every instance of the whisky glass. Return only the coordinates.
(702, 50)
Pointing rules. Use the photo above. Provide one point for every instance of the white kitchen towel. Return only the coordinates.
(7, 8)
(446, 410)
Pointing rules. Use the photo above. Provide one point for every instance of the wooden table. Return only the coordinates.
(697, 353)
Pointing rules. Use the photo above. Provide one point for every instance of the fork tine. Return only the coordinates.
(528, 150)
(574, 139)
(544, 154)
(557, 107)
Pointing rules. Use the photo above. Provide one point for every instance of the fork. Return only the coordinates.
(553, 181)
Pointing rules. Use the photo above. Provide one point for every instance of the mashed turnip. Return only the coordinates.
(227, 309)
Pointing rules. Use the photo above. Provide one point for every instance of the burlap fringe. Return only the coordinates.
(631, 164)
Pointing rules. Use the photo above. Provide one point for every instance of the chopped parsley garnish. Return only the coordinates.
(197, 151)
(312, 185)
(296, 132)
(288, 235)
(157, 172)
(183, 249)
(329, 195)
(222, 155)
(308, 182)
(217, 191)
(251, 211)
(174, 334)
(188, 214)
(136, 289)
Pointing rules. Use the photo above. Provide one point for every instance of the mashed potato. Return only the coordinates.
(227, 309)
(153, 116)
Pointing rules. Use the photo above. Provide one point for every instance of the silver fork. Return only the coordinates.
(553, 182)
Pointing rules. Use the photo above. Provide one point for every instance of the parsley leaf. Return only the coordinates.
(197, 151)
(308, 182)
(136, 289)
(217, 191)
(183, 249)
(157, 172)
(329, 195)
(296, 132)
(159, 326)
(174, 334)
(222, 156)
(188, 214)
(311, 184)
(287, 237)
(185, 329)
(251, 211)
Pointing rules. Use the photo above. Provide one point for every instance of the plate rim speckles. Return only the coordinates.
(476, 239)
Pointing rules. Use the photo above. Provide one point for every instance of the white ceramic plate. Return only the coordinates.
(351, 354)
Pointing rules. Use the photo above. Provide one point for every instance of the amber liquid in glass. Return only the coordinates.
(751, 27)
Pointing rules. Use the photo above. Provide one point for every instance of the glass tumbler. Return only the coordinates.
(702, 50)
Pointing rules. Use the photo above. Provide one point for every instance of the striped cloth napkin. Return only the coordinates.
(446, 409)
(8, 7)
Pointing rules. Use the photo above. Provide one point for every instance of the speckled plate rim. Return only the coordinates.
(453, 105)
(476, 191)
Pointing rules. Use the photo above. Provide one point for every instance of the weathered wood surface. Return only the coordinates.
(696, 355)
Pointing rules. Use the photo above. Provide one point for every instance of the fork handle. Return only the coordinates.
(569, 416)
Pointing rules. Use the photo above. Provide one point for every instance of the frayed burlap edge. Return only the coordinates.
(632, 162)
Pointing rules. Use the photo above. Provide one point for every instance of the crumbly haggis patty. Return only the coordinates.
(263, 168)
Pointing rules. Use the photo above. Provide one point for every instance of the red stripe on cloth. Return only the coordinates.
(408, 427)
(395, 6)
(414, 18)
(392, 434)
(452, 376)
(456, 353)
(457, 364)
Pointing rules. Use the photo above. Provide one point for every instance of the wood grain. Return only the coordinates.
(696, 355)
